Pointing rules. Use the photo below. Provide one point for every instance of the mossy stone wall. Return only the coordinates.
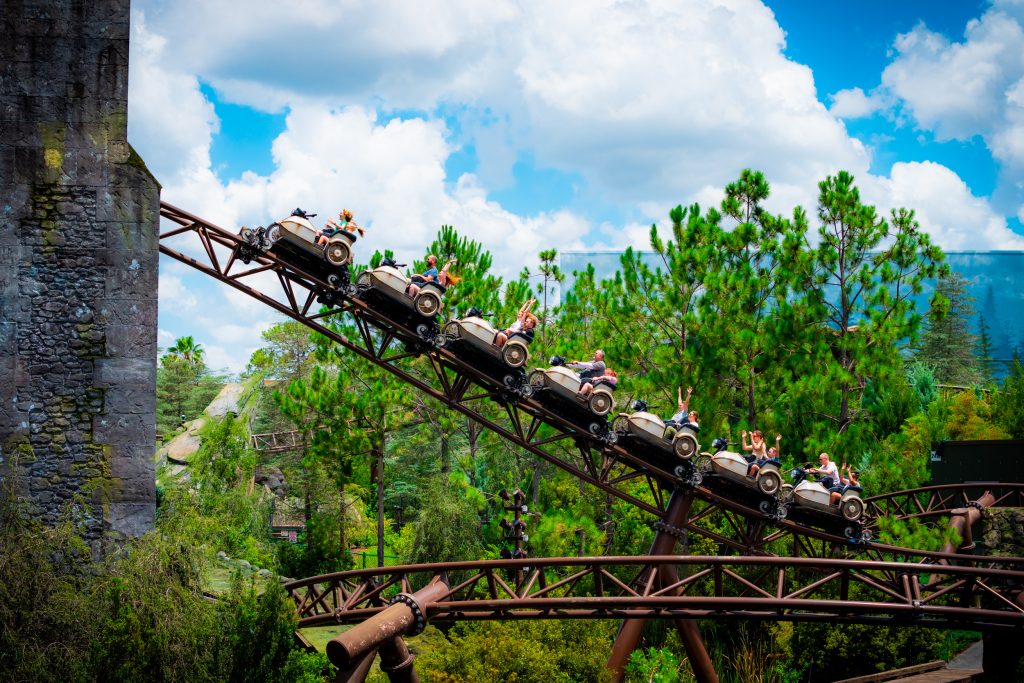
(79, 216)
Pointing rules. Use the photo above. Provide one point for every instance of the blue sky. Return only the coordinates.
(576, 125)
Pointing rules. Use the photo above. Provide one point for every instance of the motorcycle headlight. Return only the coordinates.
(794, 474)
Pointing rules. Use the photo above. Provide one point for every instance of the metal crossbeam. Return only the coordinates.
(771, 588)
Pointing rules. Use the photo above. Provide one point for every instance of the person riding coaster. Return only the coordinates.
(661, 442)
(386, 286)
(827, 498)
(731, 467)
(295, 241)
(563, 386)
(476, 333)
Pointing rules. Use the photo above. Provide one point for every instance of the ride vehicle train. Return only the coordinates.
(809, 502)
(652, 439)
(476, 337)
(558, 389)
(385, 288)
(727, 472)
(294, 241)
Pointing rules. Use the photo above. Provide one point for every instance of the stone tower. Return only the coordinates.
(79, 215)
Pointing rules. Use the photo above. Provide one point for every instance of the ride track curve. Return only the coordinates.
(608, 466)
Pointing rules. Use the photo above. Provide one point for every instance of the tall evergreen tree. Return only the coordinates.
(866, 273)
(746, 311)
(985, 350)
(948, 345)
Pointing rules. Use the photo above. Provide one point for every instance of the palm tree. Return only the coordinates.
(187, 350)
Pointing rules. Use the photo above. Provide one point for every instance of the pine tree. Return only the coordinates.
(745, 310)
(865, 292)
(948, 345)
(984, 350)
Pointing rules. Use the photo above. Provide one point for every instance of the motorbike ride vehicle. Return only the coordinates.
(294, 241)
(648, 437)
(558, 387)
(387, 288)
(809, 501)
(475, 335)
(727, 471)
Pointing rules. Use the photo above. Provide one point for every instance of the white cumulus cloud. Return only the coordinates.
(853, 103)
(970, 88)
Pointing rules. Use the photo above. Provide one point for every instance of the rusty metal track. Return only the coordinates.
(769, 588)
(443, 376)
(928, 502)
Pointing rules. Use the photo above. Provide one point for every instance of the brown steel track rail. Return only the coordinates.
(527, 423)
(933, 501)
(722, 588)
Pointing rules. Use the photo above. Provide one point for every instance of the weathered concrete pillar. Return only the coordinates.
(79, 215)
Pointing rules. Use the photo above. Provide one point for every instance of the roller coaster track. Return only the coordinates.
(769, 588)
(790, 571)
(529, 424)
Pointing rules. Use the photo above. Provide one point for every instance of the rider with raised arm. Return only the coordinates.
(757, 447)
(683, 414)
(772, 454)
(343, 224)
(431, 274)
(852, 479)
(525, 323)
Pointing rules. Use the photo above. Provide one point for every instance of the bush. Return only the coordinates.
(523, 651)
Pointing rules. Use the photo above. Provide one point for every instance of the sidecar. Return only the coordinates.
(557, 388)
(809, 501)
(654, 440)
(726, 472)
(294, 241)
(386, 289)
(473, 337)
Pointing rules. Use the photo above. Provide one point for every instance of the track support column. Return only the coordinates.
(629, 633)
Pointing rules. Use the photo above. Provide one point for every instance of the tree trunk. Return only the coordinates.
(445, 462)
(342, 542)
(380, 502)
(751, 403)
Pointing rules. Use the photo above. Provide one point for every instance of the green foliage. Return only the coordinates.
(523, 651)
(653, 665)
(137, 615)
(922, 380)
(865, 274)
(183, 390)
(858, 649)
(948, 345)
(970, 418)
(1009, 404)
(288, 346)
(447, 528)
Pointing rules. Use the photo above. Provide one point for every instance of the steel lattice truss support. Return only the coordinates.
(527, 423)
(437, 372)
(934, 501)
(770, 588)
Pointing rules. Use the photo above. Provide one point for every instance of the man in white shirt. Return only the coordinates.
(828, 471)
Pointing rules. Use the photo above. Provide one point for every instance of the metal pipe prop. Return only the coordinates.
(962, 519)
(406, 615)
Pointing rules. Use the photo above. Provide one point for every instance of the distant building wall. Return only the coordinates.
(996, 281)
(79, 215)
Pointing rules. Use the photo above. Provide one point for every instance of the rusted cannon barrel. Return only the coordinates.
(406, 615)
